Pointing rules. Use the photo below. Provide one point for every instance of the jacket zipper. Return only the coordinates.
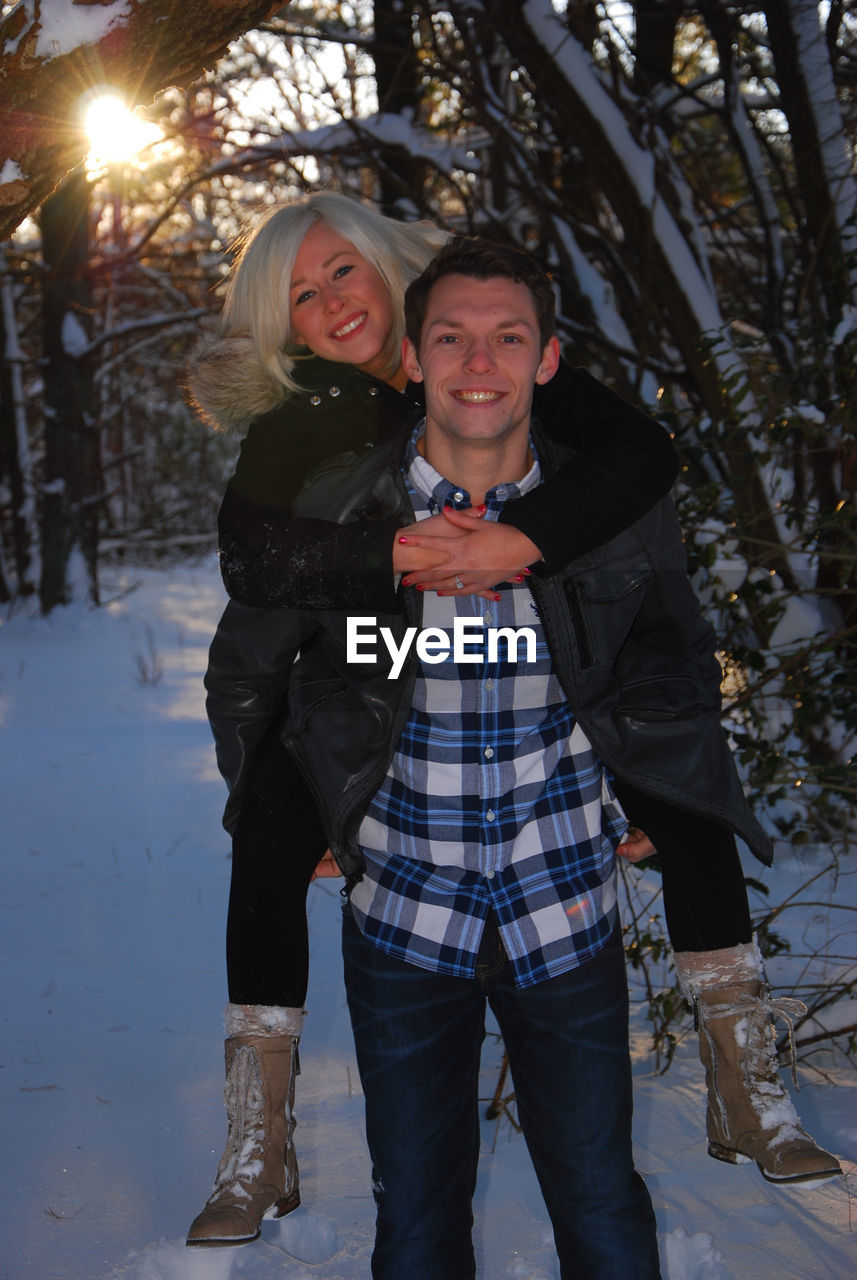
(353, 821)
(584, 649)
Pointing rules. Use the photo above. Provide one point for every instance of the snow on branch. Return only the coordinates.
(380, 130)
(646, 191)
(150, 324)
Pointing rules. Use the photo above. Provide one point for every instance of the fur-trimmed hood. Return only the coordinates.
(228, 385)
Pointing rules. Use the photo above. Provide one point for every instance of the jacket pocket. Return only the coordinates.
(307, 697)
(603, 603)
(663, 698)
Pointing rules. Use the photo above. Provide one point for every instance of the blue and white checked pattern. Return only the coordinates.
(494, 799)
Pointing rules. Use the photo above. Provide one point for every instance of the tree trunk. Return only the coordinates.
(823, 159)
(654, 39)
(635, 186)
(397, 80)
(72, 486)
(17, 533)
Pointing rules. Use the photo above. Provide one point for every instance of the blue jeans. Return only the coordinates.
(419, 1036)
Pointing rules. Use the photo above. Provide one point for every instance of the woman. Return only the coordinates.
(308, 361)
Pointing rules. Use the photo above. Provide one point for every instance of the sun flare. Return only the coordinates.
(115, 133)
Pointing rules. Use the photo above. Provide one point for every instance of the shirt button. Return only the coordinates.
(373, 391)
(489, 875)
(490, 815)
(315, 400)
(334, 391)
(489, 684)
(489, 752)
(458, 496)
(487, 619)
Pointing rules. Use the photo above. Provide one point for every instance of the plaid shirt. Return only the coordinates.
(494, 799)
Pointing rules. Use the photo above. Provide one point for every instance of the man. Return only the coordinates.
(489, 850)
(457, 751)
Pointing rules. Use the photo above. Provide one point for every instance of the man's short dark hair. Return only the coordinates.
(481, 259)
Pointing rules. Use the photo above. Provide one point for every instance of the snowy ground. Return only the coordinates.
(115, 874)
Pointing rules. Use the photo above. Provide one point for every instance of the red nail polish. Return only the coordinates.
(403, 539)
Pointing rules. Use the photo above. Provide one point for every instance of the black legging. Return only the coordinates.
(705, 897)
(280, 839)
(275, 849)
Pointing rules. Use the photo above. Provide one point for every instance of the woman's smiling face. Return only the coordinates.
(339, 306)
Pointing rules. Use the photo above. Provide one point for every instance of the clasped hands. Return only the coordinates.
(457, 553)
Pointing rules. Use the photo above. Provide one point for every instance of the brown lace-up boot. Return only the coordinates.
(750, 1115)
(258, 1172)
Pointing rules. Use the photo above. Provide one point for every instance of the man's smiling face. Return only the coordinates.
(480, 357)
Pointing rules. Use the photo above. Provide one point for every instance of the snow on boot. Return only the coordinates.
(750, 1115)
(258, 1172)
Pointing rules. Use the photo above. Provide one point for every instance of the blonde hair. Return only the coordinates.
(257, 296)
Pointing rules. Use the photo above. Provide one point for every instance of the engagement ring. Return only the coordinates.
(459, 583)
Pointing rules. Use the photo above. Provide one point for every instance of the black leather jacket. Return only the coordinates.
(629, 645)
(272, 557)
